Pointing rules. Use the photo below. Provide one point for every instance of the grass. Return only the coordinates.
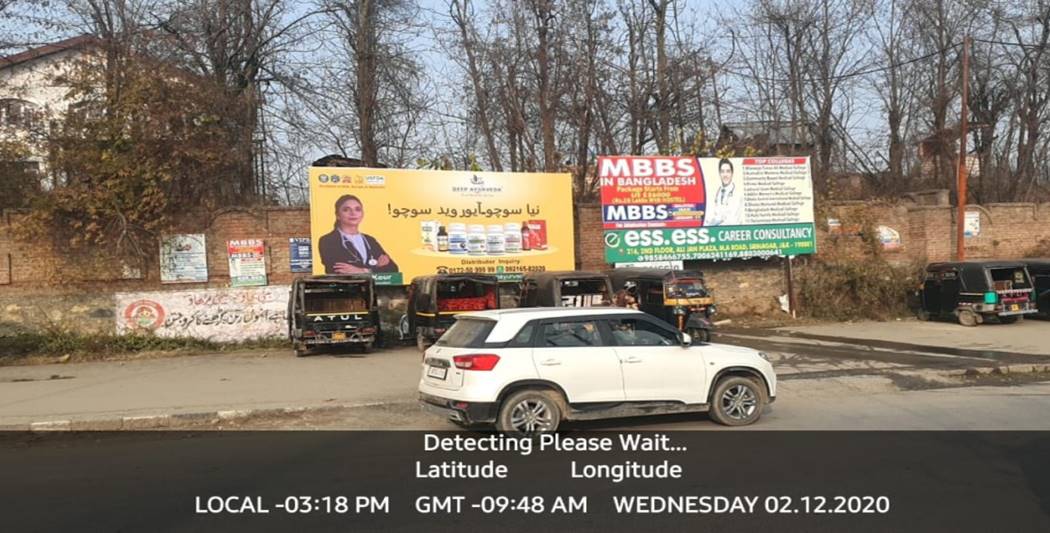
(22, 347)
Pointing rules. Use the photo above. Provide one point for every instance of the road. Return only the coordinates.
(827, 382)
(824, 385)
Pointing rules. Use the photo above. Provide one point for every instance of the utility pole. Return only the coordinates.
(962, 177)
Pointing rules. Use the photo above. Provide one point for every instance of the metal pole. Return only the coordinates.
(790, 286)
(961, 178)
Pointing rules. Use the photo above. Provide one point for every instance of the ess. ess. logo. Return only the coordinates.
(612, 240)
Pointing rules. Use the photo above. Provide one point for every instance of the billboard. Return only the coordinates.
(668, 208)
(397, 224)
(247, 259)
(183, 259)
(299, 255)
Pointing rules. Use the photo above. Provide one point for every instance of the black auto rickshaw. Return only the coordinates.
(566, 289)
(331, 310)
(434, 302)
(678, 297)
(1039, 270)
(973, 291)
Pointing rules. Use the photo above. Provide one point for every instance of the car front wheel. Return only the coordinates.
(737, 401)
(529, 412)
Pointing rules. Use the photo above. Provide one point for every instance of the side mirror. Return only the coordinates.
(685, 339)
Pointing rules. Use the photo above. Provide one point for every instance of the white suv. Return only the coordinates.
(526, 370)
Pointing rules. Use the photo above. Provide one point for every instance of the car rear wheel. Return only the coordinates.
(301, 350)
(737, 401)
(529, 412)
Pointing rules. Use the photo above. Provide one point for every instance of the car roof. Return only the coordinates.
(531, 313)
(510, 321)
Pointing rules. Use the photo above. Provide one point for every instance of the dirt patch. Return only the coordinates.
(910, 382)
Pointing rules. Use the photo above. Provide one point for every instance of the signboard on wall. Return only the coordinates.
(398, 224)
(299, 254)
(183, 259)
(972, 224)
(223, 315)
(247, 258)
(666, 208)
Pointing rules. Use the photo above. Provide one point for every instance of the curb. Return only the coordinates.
(167, 420)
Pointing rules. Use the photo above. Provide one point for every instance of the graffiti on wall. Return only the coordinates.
(225, 315)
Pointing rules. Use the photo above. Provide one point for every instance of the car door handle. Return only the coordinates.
(632, 359)
(550, 362)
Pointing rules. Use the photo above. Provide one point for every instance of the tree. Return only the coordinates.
(133, 156)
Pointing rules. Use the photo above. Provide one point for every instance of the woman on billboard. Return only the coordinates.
(345, 250)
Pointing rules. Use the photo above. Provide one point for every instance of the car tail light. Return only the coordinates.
(477, 361)
(368, 331)
(309, 333)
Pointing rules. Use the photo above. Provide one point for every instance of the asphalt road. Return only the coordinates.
(826, 383)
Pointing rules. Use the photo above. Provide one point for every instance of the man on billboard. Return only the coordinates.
(725, 208)
(345, 250)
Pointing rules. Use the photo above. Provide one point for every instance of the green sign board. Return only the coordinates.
(389, 278)
(719, 242)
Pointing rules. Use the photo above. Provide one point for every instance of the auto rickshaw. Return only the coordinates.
(434, 302)
(1039, 269)
(565, 289)
(678, 297)
(975, 291)
(330, 310)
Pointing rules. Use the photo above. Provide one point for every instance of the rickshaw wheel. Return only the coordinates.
(700, 334)
(421, 342)
(968, 318)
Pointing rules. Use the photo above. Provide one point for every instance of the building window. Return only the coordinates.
(17, 113)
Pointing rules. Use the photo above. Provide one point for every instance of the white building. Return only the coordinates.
(32, 97)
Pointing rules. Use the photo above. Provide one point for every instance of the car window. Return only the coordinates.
(466, 333)
(523, 338)
(633, 332)
(571, 334)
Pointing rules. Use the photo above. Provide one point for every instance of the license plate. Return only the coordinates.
(1015, 307)
(338, 336)
(437, 372)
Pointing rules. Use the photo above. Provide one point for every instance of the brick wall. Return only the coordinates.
(41, 285)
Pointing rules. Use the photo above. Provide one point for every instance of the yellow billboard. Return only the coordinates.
(398, 224)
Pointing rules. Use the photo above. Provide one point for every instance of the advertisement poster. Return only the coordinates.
(183, 259)
(247, 262)
(300, 255)
(890, 238)
(398, 224)
(972, 224)
(222, 315)
(667, 208)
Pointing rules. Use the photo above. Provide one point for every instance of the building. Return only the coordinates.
(32, 96)
(768, 137)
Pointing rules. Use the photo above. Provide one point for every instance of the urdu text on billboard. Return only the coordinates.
(397, 224)
(666, 208)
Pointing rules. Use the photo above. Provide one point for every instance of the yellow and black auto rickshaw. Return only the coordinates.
(333, 310)
(678, 297)
(434, 301)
